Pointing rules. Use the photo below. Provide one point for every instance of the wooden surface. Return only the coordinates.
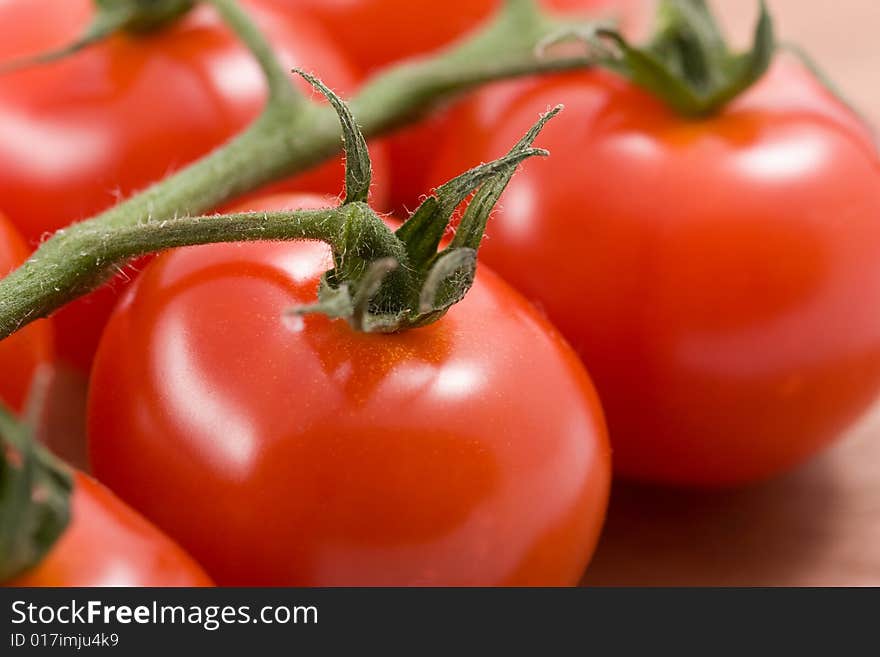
(819, 526)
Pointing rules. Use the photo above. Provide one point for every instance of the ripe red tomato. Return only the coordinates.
(23, 352)
(376, 33)
(108, 544)
(472, 451)
(81, 133)
(719, 277)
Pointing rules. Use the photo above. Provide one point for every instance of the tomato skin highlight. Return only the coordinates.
(83, 132)
(470, 452)
(717, 276)
(108, 544)
(23, 352)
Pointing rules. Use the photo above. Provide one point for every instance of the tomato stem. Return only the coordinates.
(410, 284)
(358, 167)
(94, 250)
(381, 280)
(687, 63)
(290, 136)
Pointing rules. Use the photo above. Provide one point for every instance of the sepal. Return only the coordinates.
(35, 494)
(385, 282)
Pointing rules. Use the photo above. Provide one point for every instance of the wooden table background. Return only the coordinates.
(817, 526)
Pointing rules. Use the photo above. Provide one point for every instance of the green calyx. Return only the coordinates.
(35, 494)
(112, 17)
(687, 63)
(386, 281)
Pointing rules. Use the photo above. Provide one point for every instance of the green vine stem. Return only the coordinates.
(358, 238)
(90, 249)
(291, 135)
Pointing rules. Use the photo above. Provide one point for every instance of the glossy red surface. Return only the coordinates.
(108, 544)
(719, 277)
(469, 452)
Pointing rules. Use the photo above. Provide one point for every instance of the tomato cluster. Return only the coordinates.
(716, 274)
(91, 129)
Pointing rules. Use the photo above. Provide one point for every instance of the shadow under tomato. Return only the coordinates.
(771, 534)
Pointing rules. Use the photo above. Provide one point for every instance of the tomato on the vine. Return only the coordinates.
(80, 133)
(109, 544)
(470, 451)
(377, 33)
(23, 352)
(718, 275)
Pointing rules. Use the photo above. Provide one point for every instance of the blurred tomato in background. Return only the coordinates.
(819, 525)
(376, 33)
(718, 276)
(22, 353)
(79, 134)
